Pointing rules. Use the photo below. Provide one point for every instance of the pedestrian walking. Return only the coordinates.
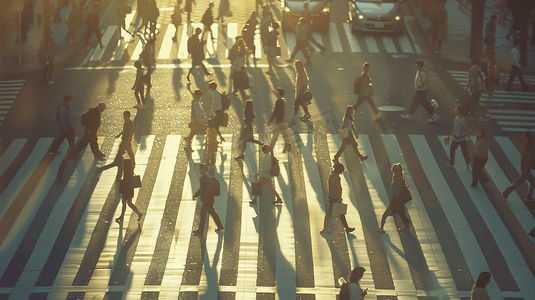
(151, 14)
(176, 19)
(526, 165)
(146, 56)
(335, 196)
(208, 190)
(248, 33)
(64, 120)
(265, 23)
(271, 46)
(125, 146)
(93, 22)
(73, 23)
(44, 52)
(481, 155)
(217, 104)
(421, 86)
(240, 77)
(460, 134)
(300, 41)
(479, 289)
(475, 85)
(264, 174)
(91, 122)
(224, 10)
(60, 5)
(213, 139)
(516, 68)
(399, 195)
(207, 21)
(490, 33)
(493, 78)
(196, 49)
(365, 95)
(232, 55)
(512, 31)
(198, 119)
(351, 290)
(122, 10)
(139, 86)
(188, 7)
(39, 8)
(310, 37)
(504, 11)
(532, 21)
(278, 116)
(246, 135)
(301, 89)
(348, 133)
(439, 27)
(126, 188)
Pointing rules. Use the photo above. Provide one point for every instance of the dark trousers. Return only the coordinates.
(523, 177)
(474, 103)
(390, 211)
(300, 103)
(464, 149)
(91, 139)
(420, 98)
(68, 133)
(477, 170)
(346, 142)
(140, 93)
(90, 31)
(206, 208)
(300, 45)
(47, 72)
(368, 99)
(313, 40)
(330, 213)
(515, 70)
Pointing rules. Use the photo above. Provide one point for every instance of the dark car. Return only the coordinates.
(376, 16)
(318, 12)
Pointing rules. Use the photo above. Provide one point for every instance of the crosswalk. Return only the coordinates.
(60, 241)
(338, 39)
(9, 89)
(513, 111)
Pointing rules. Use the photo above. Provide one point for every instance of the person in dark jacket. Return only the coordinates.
(280, 124)
(91, 121)
(139, 86)
(127, 189)
(397, 202)
(196, 49)
(301, 41)
(335, 196)
(207, 20)
(64, 119)
(246, 135)
(526, 161)
(93, 22)
(207, 198)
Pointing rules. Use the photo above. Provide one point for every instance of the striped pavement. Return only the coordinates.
(9, 89)
(61, 241)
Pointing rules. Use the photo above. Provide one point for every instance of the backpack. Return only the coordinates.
(214, 187)
(344, 291)
(358, 85)
(85, 118)
(275, 169)
(225, 101)
(233, 53)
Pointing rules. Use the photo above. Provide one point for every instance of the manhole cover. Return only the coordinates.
(391, 108)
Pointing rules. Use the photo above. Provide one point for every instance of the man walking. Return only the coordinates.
(300, 41)
(92, 22)
(516, 68)
(198, 119)
(208, 190)
(311, 38)
(335, 196)
(196, 49)
(490, 33)
(421, 86)
(526, 161)
(91, 121)
(125, 146)
(64, 120)
(207, 21)
(280, 126)
(265, 175)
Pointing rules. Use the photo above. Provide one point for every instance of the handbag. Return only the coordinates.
(344, 132)
(367, 91)
(405, 195)
(305, 98)
(339, 208)
(136, 181)
(256, 189)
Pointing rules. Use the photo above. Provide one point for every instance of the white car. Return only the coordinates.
(376, 16)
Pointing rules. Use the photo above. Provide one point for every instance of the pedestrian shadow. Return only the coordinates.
(388, 241)
(177, 82)
(112, 79)
(212, 285)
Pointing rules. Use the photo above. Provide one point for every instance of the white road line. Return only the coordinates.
(9, 97)
(9, 92)
(389, 44)
(13, 81)
(113, 245)
(232, 32)
(88, 56)
(248, 255)
(211, 47)
(289, 38)
(335, 39)
(153, 216)
(317, 37)
(351, 38)
(525, 124)
(257, 42)
(285, 267)
(97, 55)
(465, 236)
(409, 31)
(321, 251)
(405, 44)
(370, 43)
(167, 42)
(519, 118)
(516, 129)
(10, 154)
(497, 112)
(127, 37)
(17, 88)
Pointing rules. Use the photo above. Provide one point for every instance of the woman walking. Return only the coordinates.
(459, 132)
(271, 46)
(365, 77)
(399, 191)
(301, 88)
(139, 87)
(475, 86)
(240, 78)
(526, 161)
(479, 290)
(481, 154)
(246, 135)
(126, 188)
(353, 291)
(346, 133)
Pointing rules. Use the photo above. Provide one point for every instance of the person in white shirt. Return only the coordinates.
(516, 68)
(421, 86)
(217, 107)
(353, 291)
(265, 176)
(198, 119)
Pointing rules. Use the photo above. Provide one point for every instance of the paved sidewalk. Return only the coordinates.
(456, 47)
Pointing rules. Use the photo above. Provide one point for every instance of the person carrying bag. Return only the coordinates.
(400, 195)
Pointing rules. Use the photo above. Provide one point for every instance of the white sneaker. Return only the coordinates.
(407, 117)
(434, 118)
(434, 103)
(50, 83)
